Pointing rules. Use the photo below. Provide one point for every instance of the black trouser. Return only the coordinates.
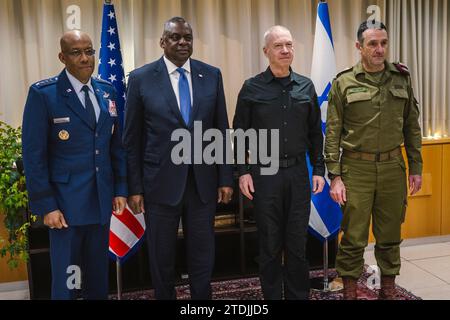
(198, 229)
(282, 205)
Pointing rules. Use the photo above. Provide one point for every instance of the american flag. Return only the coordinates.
(110, 65)
(126, 230)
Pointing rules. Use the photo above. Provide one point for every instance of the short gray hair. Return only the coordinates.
(168, 23)
(272, 30)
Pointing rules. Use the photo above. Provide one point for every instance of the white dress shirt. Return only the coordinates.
(78, 86)
(174, 76)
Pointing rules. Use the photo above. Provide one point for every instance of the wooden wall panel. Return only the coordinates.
(445, 189)
(423, 216)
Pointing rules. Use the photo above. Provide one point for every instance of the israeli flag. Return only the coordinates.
(326, 215)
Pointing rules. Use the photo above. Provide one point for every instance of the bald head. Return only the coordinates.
(274, 32)
(71, 37)
(77, 54)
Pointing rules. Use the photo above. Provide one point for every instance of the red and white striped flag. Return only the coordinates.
(125, 232)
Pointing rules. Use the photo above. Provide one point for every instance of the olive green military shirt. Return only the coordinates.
(372, 114)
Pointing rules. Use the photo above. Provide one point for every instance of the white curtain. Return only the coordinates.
(419, 31)
(228, 34)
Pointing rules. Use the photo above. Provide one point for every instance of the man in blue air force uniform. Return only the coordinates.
(75, 168)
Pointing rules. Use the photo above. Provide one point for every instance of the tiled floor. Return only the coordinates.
(14, 291)
(425, 267)
(425, 270)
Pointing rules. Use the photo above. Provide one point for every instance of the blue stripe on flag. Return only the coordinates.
(324, 96)
(322, 12)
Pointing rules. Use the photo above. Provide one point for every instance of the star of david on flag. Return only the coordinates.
(326, 215)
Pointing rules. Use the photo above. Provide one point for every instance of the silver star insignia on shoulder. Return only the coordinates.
(69, 90)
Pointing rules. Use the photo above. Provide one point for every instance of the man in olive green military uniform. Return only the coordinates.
(371, 112)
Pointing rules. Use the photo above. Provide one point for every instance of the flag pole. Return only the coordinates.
(119, 278)
(325, 266)
(322, 284)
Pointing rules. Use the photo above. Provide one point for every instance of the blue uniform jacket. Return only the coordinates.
(68, 164)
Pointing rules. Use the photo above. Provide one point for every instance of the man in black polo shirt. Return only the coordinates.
(283, 100)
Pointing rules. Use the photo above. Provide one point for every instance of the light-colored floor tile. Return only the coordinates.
(425, 251)
(439, 267)
(14, 286)
(369, 258)
(434, 293)
(412, 277)
(15, 295)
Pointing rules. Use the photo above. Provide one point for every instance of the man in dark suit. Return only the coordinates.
(167, 95)
(75, 168)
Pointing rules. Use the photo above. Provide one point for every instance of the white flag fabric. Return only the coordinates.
(326, 215)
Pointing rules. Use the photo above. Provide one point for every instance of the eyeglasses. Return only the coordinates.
(78, 53)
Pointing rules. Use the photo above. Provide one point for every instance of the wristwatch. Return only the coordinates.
(332, 176)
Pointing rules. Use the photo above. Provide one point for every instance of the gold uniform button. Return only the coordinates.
(64, 135)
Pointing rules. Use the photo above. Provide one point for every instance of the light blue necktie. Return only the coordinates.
(185, 95)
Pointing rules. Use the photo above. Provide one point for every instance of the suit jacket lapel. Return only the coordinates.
(163, 80)
(71, 99)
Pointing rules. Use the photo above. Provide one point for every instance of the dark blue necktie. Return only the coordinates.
(185, 95)
(89, 106)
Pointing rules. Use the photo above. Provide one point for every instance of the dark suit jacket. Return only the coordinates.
(152, 114)
(68, 164)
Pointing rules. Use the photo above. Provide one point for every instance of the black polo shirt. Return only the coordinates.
(288, 104)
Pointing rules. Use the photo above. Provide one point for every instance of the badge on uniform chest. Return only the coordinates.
(63, 135)
(112, 108)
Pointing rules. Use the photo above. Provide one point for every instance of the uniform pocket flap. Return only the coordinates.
(152, 158)
(358, 96)
(399, 93)
(60, 177)
(300, 97)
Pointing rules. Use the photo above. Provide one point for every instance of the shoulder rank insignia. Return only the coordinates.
(45, 82)
(102, 81)
(402, 68)
(344, 71)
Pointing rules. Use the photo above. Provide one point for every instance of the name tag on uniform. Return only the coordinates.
(355, 90)
(112, 108)
(61, 120)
